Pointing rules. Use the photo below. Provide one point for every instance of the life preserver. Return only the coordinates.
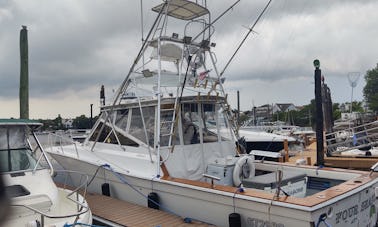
(244, 169)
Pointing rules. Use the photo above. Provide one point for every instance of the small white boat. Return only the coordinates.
(360, 140)
(265, 141)
(168, 142)
(34, 199)
(271, 136)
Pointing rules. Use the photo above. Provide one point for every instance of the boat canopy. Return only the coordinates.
(182, 9)
(15, 150)
(14, 133)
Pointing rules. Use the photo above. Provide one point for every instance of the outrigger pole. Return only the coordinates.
(245, 37)
(213, 22)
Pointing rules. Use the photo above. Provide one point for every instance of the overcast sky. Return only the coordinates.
(75, 46)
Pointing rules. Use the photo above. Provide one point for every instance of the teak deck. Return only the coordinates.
(122, 213)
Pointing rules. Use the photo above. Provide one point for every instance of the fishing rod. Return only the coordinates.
(245, 37)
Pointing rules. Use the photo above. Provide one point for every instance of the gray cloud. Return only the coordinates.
(79, 45)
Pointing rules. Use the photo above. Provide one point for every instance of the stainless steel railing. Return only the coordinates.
(81, 204)
(352, 138)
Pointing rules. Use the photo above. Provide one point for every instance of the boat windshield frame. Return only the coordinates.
(15, 144)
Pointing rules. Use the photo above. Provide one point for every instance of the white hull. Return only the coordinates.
(22, 217)
(26, 173)
(214, 206)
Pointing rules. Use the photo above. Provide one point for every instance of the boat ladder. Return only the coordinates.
(168, 121)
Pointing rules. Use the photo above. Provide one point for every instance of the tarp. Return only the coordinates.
(190, 162)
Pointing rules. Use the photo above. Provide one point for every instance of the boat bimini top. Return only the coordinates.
(182, 9)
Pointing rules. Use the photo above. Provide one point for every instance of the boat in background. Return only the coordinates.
(261, 140)
(271, 136)
(35, 200)
(168, 141)
(78, 135)
(360, 140)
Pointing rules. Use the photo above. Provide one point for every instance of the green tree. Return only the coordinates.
(305, 116)
(371, 88)
(82, 122)
(57, 123)
(243, 118)
(357, 106)
(336, 112)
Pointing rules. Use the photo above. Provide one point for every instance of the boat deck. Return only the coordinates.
(114, 212)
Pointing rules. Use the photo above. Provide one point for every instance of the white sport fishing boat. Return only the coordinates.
(34, 199)
(167, 142)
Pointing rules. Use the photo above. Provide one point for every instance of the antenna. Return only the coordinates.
(353, 80)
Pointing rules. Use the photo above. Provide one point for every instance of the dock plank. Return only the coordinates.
(131, 215)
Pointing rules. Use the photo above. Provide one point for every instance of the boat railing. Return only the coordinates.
(259, 128)
(54, 139)
(352, 138)
(76, 195)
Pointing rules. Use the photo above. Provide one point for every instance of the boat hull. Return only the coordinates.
(210, 205)
(19, 216)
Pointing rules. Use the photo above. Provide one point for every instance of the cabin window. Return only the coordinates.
(223, 126)
(149, 121)
(16, 160)
(121, 118)
(207, 119)
(15, 153)
(107, 136)
(190, 123)
(144, 134)
(104, 133)
(209, 123)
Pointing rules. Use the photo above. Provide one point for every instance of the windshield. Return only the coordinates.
(207, 119)
(16, 160)
(15, 151)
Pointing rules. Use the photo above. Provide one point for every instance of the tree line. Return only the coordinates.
(306, 116)
(80, 122)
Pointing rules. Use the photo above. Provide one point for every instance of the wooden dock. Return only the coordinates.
(115, 212)
(345, 162)
(308, 154)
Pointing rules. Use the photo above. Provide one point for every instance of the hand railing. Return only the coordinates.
(352, 138)
(61, 140)
(82, 206)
